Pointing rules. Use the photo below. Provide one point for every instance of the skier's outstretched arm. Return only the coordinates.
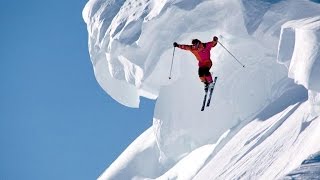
(182, 46)
(214, 41)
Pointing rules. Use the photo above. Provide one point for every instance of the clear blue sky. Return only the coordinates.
(55, 120)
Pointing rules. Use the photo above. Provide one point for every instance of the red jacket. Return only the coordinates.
(202, 53)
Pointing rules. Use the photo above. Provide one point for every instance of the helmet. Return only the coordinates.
(195, 41)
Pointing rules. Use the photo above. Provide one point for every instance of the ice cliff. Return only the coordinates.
(262, 117)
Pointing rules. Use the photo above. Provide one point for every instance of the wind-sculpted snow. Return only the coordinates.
(299, 49)
(268, 148)
(130, 44)
(309, 169)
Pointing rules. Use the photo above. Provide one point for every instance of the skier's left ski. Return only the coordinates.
(204, 99)
(211, 90)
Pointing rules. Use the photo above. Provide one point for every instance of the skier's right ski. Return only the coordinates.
(204, 99)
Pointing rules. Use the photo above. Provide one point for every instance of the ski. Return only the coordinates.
(211, 90)
(204, 99)
(206, 89)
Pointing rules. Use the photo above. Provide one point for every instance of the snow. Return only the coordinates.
(138, 164)
(308, 169)
(263, 119)
(269, 145)
(301, 39)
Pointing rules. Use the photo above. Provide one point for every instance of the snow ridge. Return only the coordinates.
(263, 121)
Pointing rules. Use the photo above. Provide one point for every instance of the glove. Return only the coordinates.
(215, 38)
(175, 44)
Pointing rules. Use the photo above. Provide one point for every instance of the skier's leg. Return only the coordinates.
(208, 76)
(202, 77)
(201, 73)
(207, 73)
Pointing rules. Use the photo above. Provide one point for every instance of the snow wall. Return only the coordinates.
(130, 45)
(299, 50)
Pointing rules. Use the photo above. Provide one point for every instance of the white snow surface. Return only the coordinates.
(263, 120)
(299, 48)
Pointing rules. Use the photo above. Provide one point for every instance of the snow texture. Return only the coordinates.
(263, 120)
(309, 169)
(299, 46)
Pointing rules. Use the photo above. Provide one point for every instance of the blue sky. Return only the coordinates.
(55, 120)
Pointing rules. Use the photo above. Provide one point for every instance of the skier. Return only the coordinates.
(202, 53)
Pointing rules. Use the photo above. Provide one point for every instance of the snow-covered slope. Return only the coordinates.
(309, 169)
(261, 120)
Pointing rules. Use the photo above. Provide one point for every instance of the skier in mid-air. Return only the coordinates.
(202, 53)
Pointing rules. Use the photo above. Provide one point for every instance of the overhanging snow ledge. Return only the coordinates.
(299, 50)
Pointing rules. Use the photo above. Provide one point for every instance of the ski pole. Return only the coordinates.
(230, 53)
(172, 62)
